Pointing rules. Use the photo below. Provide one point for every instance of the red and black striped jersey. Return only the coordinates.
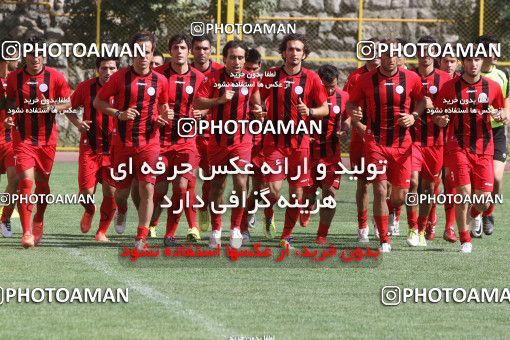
(384, 98)
(142, 92)
(181, 90)
(424, 131)
(213, 67)
(236, 109)
(283, 92)
(326, 144)
(99, 135)
(28, 91)
(348, 86)
(468, 106)
(5, 134)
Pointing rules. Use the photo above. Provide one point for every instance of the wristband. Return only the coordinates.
(117, 113)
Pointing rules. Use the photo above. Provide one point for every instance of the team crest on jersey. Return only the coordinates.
(43, 87)
(336, 109)
(244, 91)
(399, 89)
(298, 90)
(482, 98)
(433, 89)
(189, 89)
(151, 91)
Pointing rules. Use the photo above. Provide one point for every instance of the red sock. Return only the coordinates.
(244, 221)
(6, 213)
(215, 220)
(362, 219)
(422, 223)
(449, 208)
(398, 211)
(291, 217)
(323, 230)
(122, 208)
(172, 221)
(191, 213)
(464, 237)
(432, 218)
(89, 208)
(107, 211)
(206, 188)
(142, 233)
(489, 211)
(268, 212)
(412, 219)
(42, 187)
(474, 212)
(382, 227)
(25, 208)
(236, 217)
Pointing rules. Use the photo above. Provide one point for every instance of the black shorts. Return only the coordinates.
(499, 136)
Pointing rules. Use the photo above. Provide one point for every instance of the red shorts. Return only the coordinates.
(398, 163)
(330, 166)
(202, 145)
(297, 160)
(93, 168)
(428, 160)
(473, 169)
(28, 156)
(6, 157)
(221, 155)
(175, 156)
(138, 154)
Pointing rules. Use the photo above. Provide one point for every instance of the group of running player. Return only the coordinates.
(132, 115)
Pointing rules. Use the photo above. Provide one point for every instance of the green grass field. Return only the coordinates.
(303, 303)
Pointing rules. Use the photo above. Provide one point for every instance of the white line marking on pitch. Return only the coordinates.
(153, 294)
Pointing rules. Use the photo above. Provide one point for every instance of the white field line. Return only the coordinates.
(175, 306)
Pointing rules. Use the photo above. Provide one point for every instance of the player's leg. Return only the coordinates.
(449, 207)
(430, 231)
(135, 194)
(107, 209)
(216, 200)
(482, 181)
(380, 207)
(362, 208)
(487, 217)
(146, 190)
(179, 188)
(412, 210)
(26, 183)
(240, 188)
(427, 187)
(12, 186)
(325, 215)
(89, 166)
(160, 190)
(461, 212)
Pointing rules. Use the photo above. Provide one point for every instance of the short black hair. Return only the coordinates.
(253, 56)
(427, 39)
(487, 39)
(142, 36)
(200, 38)
(99, 60)
(234, 44)
(157, 53)
(34, 41)
(177, 38)
(328, 73)
(374, 39)
(291, 37)
(402, 41)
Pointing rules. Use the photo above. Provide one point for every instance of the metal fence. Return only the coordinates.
(332, 26)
